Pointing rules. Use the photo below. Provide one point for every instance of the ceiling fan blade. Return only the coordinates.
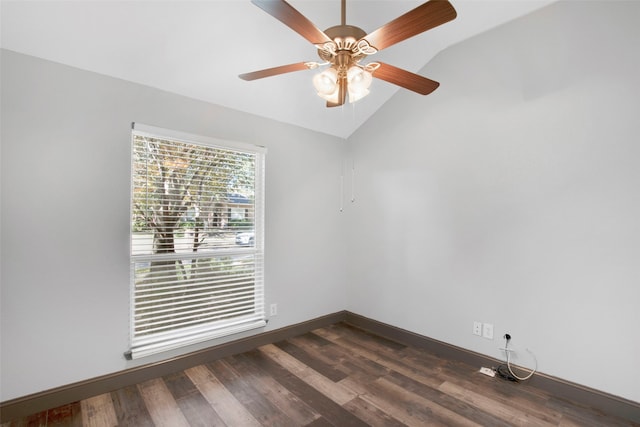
(285, 13)
(405, 79)
(268, 72)
(424, 17)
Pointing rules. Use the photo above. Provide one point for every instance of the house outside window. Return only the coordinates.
(196, 239)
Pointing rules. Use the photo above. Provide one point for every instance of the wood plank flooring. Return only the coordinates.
(333, 376)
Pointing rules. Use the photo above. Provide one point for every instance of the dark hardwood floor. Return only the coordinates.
(333, 376)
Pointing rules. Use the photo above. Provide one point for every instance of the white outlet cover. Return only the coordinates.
(477, 328)
(487, 331)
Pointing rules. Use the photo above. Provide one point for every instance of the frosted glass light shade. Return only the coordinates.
(358, 82)
(326, 82)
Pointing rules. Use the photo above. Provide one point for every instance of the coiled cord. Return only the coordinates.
(507, 337)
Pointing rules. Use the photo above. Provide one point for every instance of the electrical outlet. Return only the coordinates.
(487, 331)
(273, 310)
(477, 328)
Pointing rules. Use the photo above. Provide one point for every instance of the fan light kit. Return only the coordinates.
(343, 46)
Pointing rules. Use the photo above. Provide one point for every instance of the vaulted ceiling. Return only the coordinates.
(198, 48)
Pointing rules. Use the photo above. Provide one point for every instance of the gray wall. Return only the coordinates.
(512, 196)
(65, 209)
(509, 196)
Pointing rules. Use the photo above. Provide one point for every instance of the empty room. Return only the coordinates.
(320, 212)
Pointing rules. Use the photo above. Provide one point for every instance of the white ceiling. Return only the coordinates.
(198, 48)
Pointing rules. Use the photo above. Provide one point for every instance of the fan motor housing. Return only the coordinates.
(345, 38)
(344, 31)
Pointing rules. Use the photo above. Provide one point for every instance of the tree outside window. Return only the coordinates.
(196, 266)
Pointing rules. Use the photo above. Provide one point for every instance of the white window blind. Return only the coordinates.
(196, 239)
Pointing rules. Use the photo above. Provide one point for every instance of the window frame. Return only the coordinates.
(160, 342)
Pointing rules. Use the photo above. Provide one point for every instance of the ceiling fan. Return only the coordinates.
(343, 47)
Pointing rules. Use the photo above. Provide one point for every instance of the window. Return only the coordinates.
(196, 239)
